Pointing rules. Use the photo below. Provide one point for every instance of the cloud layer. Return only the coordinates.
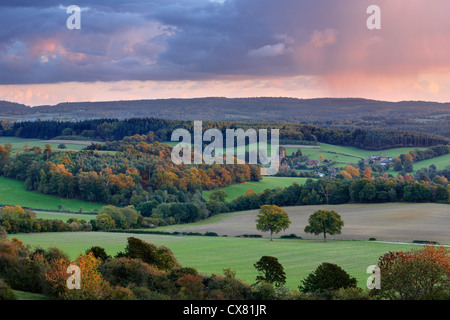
(204, 40)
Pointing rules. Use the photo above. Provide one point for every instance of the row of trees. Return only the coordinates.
(17, 220)
(324, 191)
(274, 219)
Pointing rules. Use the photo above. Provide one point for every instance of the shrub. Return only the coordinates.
(160, 257)
(227, 287)
(125, 271)
(191, 287)
(264, 291)
(121, 293)
(291, 236)
(98, 252)
(6, 293)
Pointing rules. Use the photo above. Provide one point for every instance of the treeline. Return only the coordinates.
(358, 190)
(160, 130)
(17, 220)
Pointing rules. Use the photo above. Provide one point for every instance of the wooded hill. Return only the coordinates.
(420, 116)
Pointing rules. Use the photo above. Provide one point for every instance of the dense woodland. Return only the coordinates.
(160, 130)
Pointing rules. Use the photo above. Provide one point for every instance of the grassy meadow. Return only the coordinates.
(267, 182)
(18, 144)
(214, 254)
(13, 192)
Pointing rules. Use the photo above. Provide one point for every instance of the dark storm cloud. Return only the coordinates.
(148, 40)
(203, 39)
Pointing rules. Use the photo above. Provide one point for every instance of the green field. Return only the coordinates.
(347, 155)
(440, 162)
(63, 216)
(267, 182)
(350, 155)
(13, 192)
(18, 144)
(214, 254)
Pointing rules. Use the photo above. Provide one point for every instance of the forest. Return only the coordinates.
(160, 130)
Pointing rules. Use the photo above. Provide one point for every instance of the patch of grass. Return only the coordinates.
(18, 144)
(346, 155)
(440, 162)
(214, 254)
(13, 192)
(22, 295)
(267, 182)
(63, 216)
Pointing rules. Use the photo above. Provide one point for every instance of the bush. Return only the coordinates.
(291, 236)
(121, 293)
(6, 293)
(99, 253)
(264, 291)
(160, 257)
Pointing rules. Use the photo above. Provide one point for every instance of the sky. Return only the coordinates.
(128, 50)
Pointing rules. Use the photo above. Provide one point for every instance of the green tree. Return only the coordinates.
(146, 208)
(328, 277)
(271, 271)
(160, 257)
(104, 222)
(324, 221)
(272, 218)
(218, 195)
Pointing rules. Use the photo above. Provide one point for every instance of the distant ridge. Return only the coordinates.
(433, 117)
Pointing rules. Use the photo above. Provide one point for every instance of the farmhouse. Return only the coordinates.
(381, 159)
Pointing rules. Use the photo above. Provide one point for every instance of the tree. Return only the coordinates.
(271, 271)
(324, 221)
(398, 166)
(4, 157)
(419, 274)
(218, 195)
(328, 277)
(62, 146)
(48, 150)
(272, 218)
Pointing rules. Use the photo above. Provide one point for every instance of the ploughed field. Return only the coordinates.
(404, 222)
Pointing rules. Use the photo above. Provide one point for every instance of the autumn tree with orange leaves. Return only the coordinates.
(93, 285)
(422, 274)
